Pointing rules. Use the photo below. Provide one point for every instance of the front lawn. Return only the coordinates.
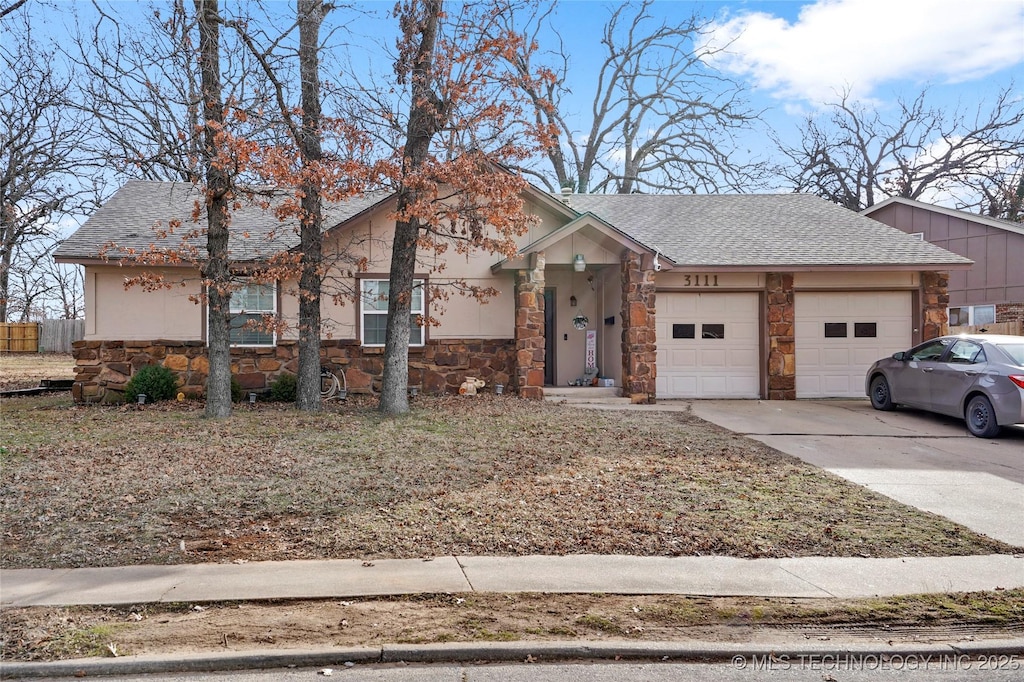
(105, 486)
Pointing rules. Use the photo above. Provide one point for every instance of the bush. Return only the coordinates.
(236, 390)
(155, 381)
(284, 388)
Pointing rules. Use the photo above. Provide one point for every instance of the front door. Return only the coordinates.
(549, 337)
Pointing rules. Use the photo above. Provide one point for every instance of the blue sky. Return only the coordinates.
(792, 56)
(795, 55)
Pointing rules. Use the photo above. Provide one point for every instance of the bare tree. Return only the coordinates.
(40, 139)
(219, 185)
(461, 108)
(313, 177)
(856, 155)
(1003, 195)
(661, 119)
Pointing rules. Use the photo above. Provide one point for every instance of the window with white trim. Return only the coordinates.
(972, 315)
(249, 305)
(374, 311)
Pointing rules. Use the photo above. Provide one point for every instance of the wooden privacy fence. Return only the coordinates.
(48, 336)
(56, 336)
(1016, 328)
(19, 337)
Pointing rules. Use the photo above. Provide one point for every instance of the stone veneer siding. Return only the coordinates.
(934, 304)
(102, 368)
(639, 336)
(781, 337)
(529, 334)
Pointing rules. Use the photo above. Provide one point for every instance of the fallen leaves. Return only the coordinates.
(99, 487)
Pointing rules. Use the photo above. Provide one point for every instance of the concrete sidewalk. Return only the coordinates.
(706, 576)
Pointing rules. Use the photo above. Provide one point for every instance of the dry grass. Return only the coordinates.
(493, 475)
(25, 370)
(157, 629)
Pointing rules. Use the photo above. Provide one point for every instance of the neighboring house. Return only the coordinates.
(992, 291)
(679, 296)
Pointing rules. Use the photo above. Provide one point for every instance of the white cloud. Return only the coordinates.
(858, 45)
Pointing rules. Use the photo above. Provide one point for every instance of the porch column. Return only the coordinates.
(529, 334)
(639, 340)
(781, 337)
(934, 304)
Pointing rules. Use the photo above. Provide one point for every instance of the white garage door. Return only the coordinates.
(839, 335)
(708, 345)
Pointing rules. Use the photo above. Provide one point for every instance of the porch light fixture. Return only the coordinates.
(579, 263)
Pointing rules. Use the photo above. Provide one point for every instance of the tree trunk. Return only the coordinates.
(216, 272)
(425, 115)
(307, 398)
(394, 399)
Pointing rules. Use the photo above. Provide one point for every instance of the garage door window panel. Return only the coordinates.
(712, 331)
(835, 330)
(865, 330)
(684, 331)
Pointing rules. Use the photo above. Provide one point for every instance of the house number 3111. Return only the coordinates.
(700, 280)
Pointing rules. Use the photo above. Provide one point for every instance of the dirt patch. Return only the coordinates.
(51, 634)
(26, 370)
(494, 475)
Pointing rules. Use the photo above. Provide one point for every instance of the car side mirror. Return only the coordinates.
(901, 356)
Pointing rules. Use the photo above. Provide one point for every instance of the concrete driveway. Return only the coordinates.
(924, 460)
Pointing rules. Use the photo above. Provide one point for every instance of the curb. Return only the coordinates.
(737, 654)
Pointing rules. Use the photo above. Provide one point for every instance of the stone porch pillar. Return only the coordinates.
(529, 333)
(934, 304)
(781, 337)
(639, 338)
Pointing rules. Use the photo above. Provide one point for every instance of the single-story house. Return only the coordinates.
(668, 296)
(992, 291)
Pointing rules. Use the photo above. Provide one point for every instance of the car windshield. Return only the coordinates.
(1015, 351)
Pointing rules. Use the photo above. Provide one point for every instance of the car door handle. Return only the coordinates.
(971, 373)
(928, 369)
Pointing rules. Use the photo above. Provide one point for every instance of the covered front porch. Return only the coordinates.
(584, 307)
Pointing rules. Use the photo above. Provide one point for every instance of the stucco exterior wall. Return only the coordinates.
(114, 312)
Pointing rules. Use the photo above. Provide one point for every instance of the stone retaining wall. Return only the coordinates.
(102, 368)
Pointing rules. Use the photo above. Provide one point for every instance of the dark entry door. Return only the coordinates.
(549, 337)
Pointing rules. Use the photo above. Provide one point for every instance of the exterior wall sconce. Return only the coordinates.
(572, 301)
(579, 263)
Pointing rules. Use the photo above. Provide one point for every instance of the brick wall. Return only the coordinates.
(1010, 312)
(102, 368)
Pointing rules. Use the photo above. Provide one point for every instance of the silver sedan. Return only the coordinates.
(979, 378)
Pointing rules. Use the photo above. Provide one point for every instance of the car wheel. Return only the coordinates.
(981, 418)
(881, 397)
